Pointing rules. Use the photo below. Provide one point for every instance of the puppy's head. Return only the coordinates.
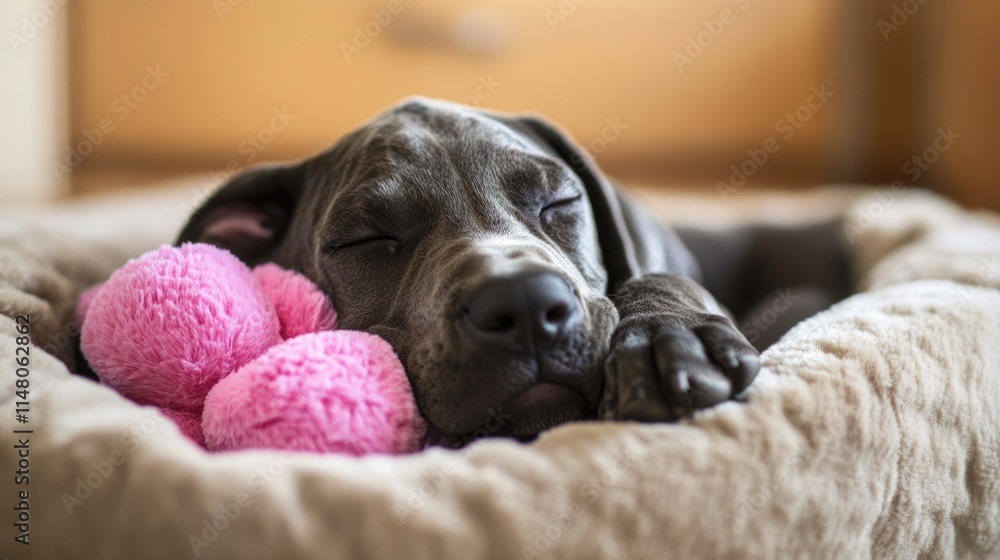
(480, 246)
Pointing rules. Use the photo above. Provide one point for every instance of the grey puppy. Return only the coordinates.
(517, 285)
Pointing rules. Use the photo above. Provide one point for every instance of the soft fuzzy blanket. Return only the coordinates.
(872, 432)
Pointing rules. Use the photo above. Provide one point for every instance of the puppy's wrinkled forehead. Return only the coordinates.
(422, 153)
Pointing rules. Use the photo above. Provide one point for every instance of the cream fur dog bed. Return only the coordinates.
(872, 432)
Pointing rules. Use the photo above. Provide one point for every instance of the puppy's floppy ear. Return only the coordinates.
(250, 215)
(632, 242)
(613, 229)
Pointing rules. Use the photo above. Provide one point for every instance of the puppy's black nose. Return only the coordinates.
(535, 306)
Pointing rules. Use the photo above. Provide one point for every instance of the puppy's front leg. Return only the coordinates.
(674, 351)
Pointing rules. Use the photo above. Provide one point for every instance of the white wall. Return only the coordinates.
(33, 101)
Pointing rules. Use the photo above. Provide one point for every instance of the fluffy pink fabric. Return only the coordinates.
(83, 302)
(340, 391)
(301, 307)
(169, 325)
(189, 423)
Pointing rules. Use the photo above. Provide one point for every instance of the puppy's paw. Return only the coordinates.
(662, 367)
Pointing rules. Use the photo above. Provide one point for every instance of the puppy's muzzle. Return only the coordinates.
(521, 314)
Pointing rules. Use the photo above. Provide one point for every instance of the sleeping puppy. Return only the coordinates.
(519, 288)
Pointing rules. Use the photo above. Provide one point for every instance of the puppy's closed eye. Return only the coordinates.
(374, 241)
(563, 202)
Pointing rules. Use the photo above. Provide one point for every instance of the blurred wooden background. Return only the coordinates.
(692, 85)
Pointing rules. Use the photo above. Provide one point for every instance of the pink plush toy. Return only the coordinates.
(243, 359)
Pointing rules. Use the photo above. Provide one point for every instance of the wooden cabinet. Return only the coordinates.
(682, 93)
(228, 65)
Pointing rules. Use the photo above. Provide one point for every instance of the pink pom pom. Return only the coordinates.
(83, 302)
(189, 423)
(169, 325)
(301, 307)
(340, 391)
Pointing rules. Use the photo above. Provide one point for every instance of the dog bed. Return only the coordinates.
(873, 431)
